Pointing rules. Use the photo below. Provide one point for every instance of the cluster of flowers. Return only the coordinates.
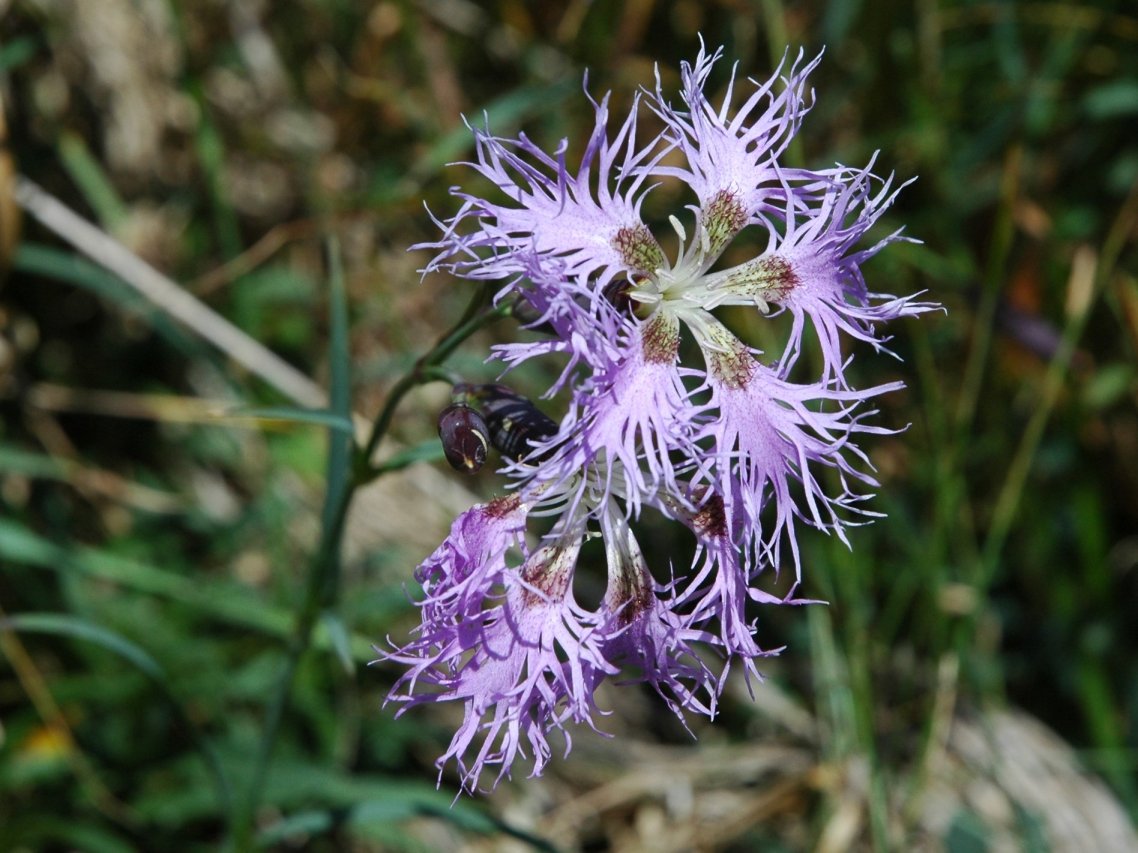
(729, 447)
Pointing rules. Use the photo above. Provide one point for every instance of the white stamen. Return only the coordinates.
(679, 228)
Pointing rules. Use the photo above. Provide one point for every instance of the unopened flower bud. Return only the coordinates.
(463, 433)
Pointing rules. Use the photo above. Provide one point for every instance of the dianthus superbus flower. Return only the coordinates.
(725, 444)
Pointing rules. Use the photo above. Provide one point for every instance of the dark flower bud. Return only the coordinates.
(529, 316)
(463, 432)
(616, 294)
(523, 310)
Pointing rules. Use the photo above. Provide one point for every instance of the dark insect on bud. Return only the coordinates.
(463, 432)
(513, 420)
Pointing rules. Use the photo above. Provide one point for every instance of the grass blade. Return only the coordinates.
(270, 415)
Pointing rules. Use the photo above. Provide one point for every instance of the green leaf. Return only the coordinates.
(227, 603)
(338, 636)
(16, 53)
(391, 810)
(15, 460)
(339, 446)
(1032, 830)
(209, 145)
(301, 824)
(299, 783)
(274, 304)
(66, 267)
(296, 415)
(71, 626)
(38, 832)
(1109, 385)
(340, 356)
(20, 545)
(1112, 100)
(967, 834)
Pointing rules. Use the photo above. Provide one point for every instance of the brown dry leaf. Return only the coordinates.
(9, 210)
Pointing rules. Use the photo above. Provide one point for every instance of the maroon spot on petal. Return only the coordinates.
(549, 572)
(631, 597)
(502, 506)
(723, 218)
(711, 520)
(638, 249)
(781, 275)
(660, 338)
(733, 369)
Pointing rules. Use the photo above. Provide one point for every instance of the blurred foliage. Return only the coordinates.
(154, 555)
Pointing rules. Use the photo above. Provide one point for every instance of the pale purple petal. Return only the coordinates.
(645, 632)
(813, 271)
(770, 436)
(536, 661)
(731, 150)
(577, 218)
(717, 591)
(632, 418)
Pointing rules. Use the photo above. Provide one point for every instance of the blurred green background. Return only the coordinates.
(972, 683)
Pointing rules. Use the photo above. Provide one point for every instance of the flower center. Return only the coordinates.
(672, 286)
(683, 286)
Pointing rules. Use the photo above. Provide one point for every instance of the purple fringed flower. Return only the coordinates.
(552, 211)
(810, 268)
(767, 437)
(726, 444)
(524, 660)
(730, 154)
(644, 631)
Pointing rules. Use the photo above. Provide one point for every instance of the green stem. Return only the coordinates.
(1006, 510)
(1003, 235)
(1101, 268)
(321, 587)
(324, 565)
(426, 369)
